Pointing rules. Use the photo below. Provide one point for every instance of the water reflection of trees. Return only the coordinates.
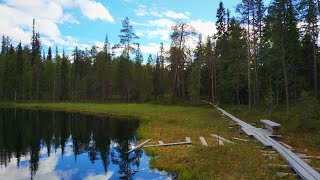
(26, 132)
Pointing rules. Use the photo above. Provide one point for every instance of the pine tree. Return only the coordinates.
(64, 78)
(181, 32)
(108, 61)
(195, 75)
(127, 37)
(309, 15)
(48, 77)
(19, 73)
(138, 76)
(3, 45)
(49, 57)
(244, 9)
(210, 70)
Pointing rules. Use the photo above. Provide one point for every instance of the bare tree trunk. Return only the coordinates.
(285, 76)
(277, 91)
(182, 80)
(256, 98)
(175, 81)
(271, 93)
(249, 66)
(295, 84)
(315, 71)
(212, 81)
(238, 83)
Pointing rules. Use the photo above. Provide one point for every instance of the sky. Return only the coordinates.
(83, 23)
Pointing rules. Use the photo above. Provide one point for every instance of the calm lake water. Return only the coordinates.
(58, 145)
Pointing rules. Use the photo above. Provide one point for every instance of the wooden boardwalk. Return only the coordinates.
(304, 170)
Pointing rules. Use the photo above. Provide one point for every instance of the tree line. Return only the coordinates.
(267, 55)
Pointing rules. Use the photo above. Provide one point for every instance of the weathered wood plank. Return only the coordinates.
(285, 145)
(312, 157)
(268, 152)
(239, 139)
(168, 144)
(188, 139)
(139, 146)
(279, 165)
(221, 138)
(282, 174)
(270, 123)
(203, 141)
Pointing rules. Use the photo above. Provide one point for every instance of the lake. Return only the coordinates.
(36, 144)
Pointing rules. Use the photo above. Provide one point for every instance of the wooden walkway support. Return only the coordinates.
(219, 138)
(304, 170)
(239, 139)
(167, 144)
(203, 141)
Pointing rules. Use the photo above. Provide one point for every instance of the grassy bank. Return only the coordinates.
(173, 123)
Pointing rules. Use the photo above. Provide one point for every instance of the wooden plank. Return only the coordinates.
(249, 133)
(282, 174)
(268, 152)
(312, 157)
(285, 145)
(160, 142)
(279, 165)
(270, 123)
(139, 146)
(266, 155)
(168, 144)
(300, 155)
(239, 139)
(299, 150)
(221, 138)
(188, 140)
(203, 141)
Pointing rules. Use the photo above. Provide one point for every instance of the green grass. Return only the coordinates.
(171, 123)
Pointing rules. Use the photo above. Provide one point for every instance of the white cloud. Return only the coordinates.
(141, 11)
(161, 23)
(68, 18)
(163, 28)
(17, 15)
(164, 34)
(153, 48)
(99, 176)
(95, 10)
(47, 170)
(139, 34)
(144, 11)
(206, 28)
(175, 15)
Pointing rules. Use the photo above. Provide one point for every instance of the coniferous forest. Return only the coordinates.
(265, 55)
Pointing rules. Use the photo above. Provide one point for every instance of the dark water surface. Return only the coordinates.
(58, 145)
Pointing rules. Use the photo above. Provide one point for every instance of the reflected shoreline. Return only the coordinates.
(95, 145)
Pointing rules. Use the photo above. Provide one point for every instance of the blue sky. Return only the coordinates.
(70, 23)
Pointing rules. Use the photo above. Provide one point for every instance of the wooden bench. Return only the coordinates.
(271, 126)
